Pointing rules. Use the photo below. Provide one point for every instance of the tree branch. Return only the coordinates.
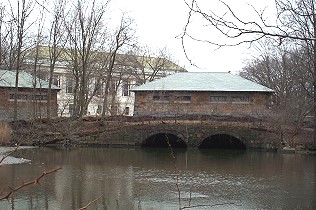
(238, 28)
(25, 184)
(15, 149)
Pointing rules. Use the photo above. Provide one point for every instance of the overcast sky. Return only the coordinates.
(160, 22)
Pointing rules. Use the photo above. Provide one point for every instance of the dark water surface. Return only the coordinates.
(146, 179)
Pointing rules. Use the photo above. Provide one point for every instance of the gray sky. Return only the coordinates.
(160, 22)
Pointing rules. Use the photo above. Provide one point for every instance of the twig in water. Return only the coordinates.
(176, 170)
(91, 202)
(207, 205)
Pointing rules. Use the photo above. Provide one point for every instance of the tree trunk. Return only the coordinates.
(314, 78)
(15, 112)
(49, 91)
(108, 81)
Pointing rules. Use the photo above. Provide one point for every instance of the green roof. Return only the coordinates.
(7, 79)
(204, 82)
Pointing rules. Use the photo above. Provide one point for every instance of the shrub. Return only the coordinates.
(5, 132)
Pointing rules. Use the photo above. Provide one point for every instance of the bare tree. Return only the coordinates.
(150, 65)
(281, 70)
(295, 20)
(124, 35)
(83, 30)
(6, 38)
(38, 41)
(2, 8)
(19, 27)
(56, 41)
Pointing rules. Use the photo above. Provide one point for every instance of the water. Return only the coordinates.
(147, 179)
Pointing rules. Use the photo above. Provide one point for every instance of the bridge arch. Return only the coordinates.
(222, 141)
(164, 139)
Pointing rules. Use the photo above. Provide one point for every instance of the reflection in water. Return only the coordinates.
(146, 179)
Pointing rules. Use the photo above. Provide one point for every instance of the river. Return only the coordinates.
(136, 178)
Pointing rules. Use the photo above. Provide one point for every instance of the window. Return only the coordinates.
(11, 96)
(99, 109)
(69, 85)
(22, 97)
(219, 99)
(19, 97)
(56, 80)
(28, 96)
(43, 97)
(230, 99)
(71, 109)
(114, 110)
(126, 112)
(241, 99)
(99, 89)
(125, 88)
(161, 97)
(182, 99)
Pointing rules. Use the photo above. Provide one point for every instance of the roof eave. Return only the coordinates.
(260, 91)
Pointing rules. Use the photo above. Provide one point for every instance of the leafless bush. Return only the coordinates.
(5, 132)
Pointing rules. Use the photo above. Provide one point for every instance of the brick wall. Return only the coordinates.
(234, 103)
(26, 106)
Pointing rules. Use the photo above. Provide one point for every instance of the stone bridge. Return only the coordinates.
(187, 134)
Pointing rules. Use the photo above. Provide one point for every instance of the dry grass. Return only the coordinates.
(5, 133)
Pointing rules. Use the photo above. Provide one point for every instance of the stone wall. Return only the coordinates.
(191, 134)
(201, 103)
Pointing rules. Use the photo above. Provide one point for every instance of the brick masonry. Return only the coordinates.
(200, 103)
(26, 106)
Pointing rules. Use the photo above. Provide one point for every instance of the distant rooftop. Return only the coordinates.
(203, 82)
(7, 79)
(127, 59)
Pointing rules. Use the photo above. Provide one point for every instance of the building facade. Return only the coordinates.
(202, 93)
(128, 71)
(32, 96)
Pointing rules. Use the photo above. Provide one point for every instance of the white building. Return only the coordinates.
(128, 71)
